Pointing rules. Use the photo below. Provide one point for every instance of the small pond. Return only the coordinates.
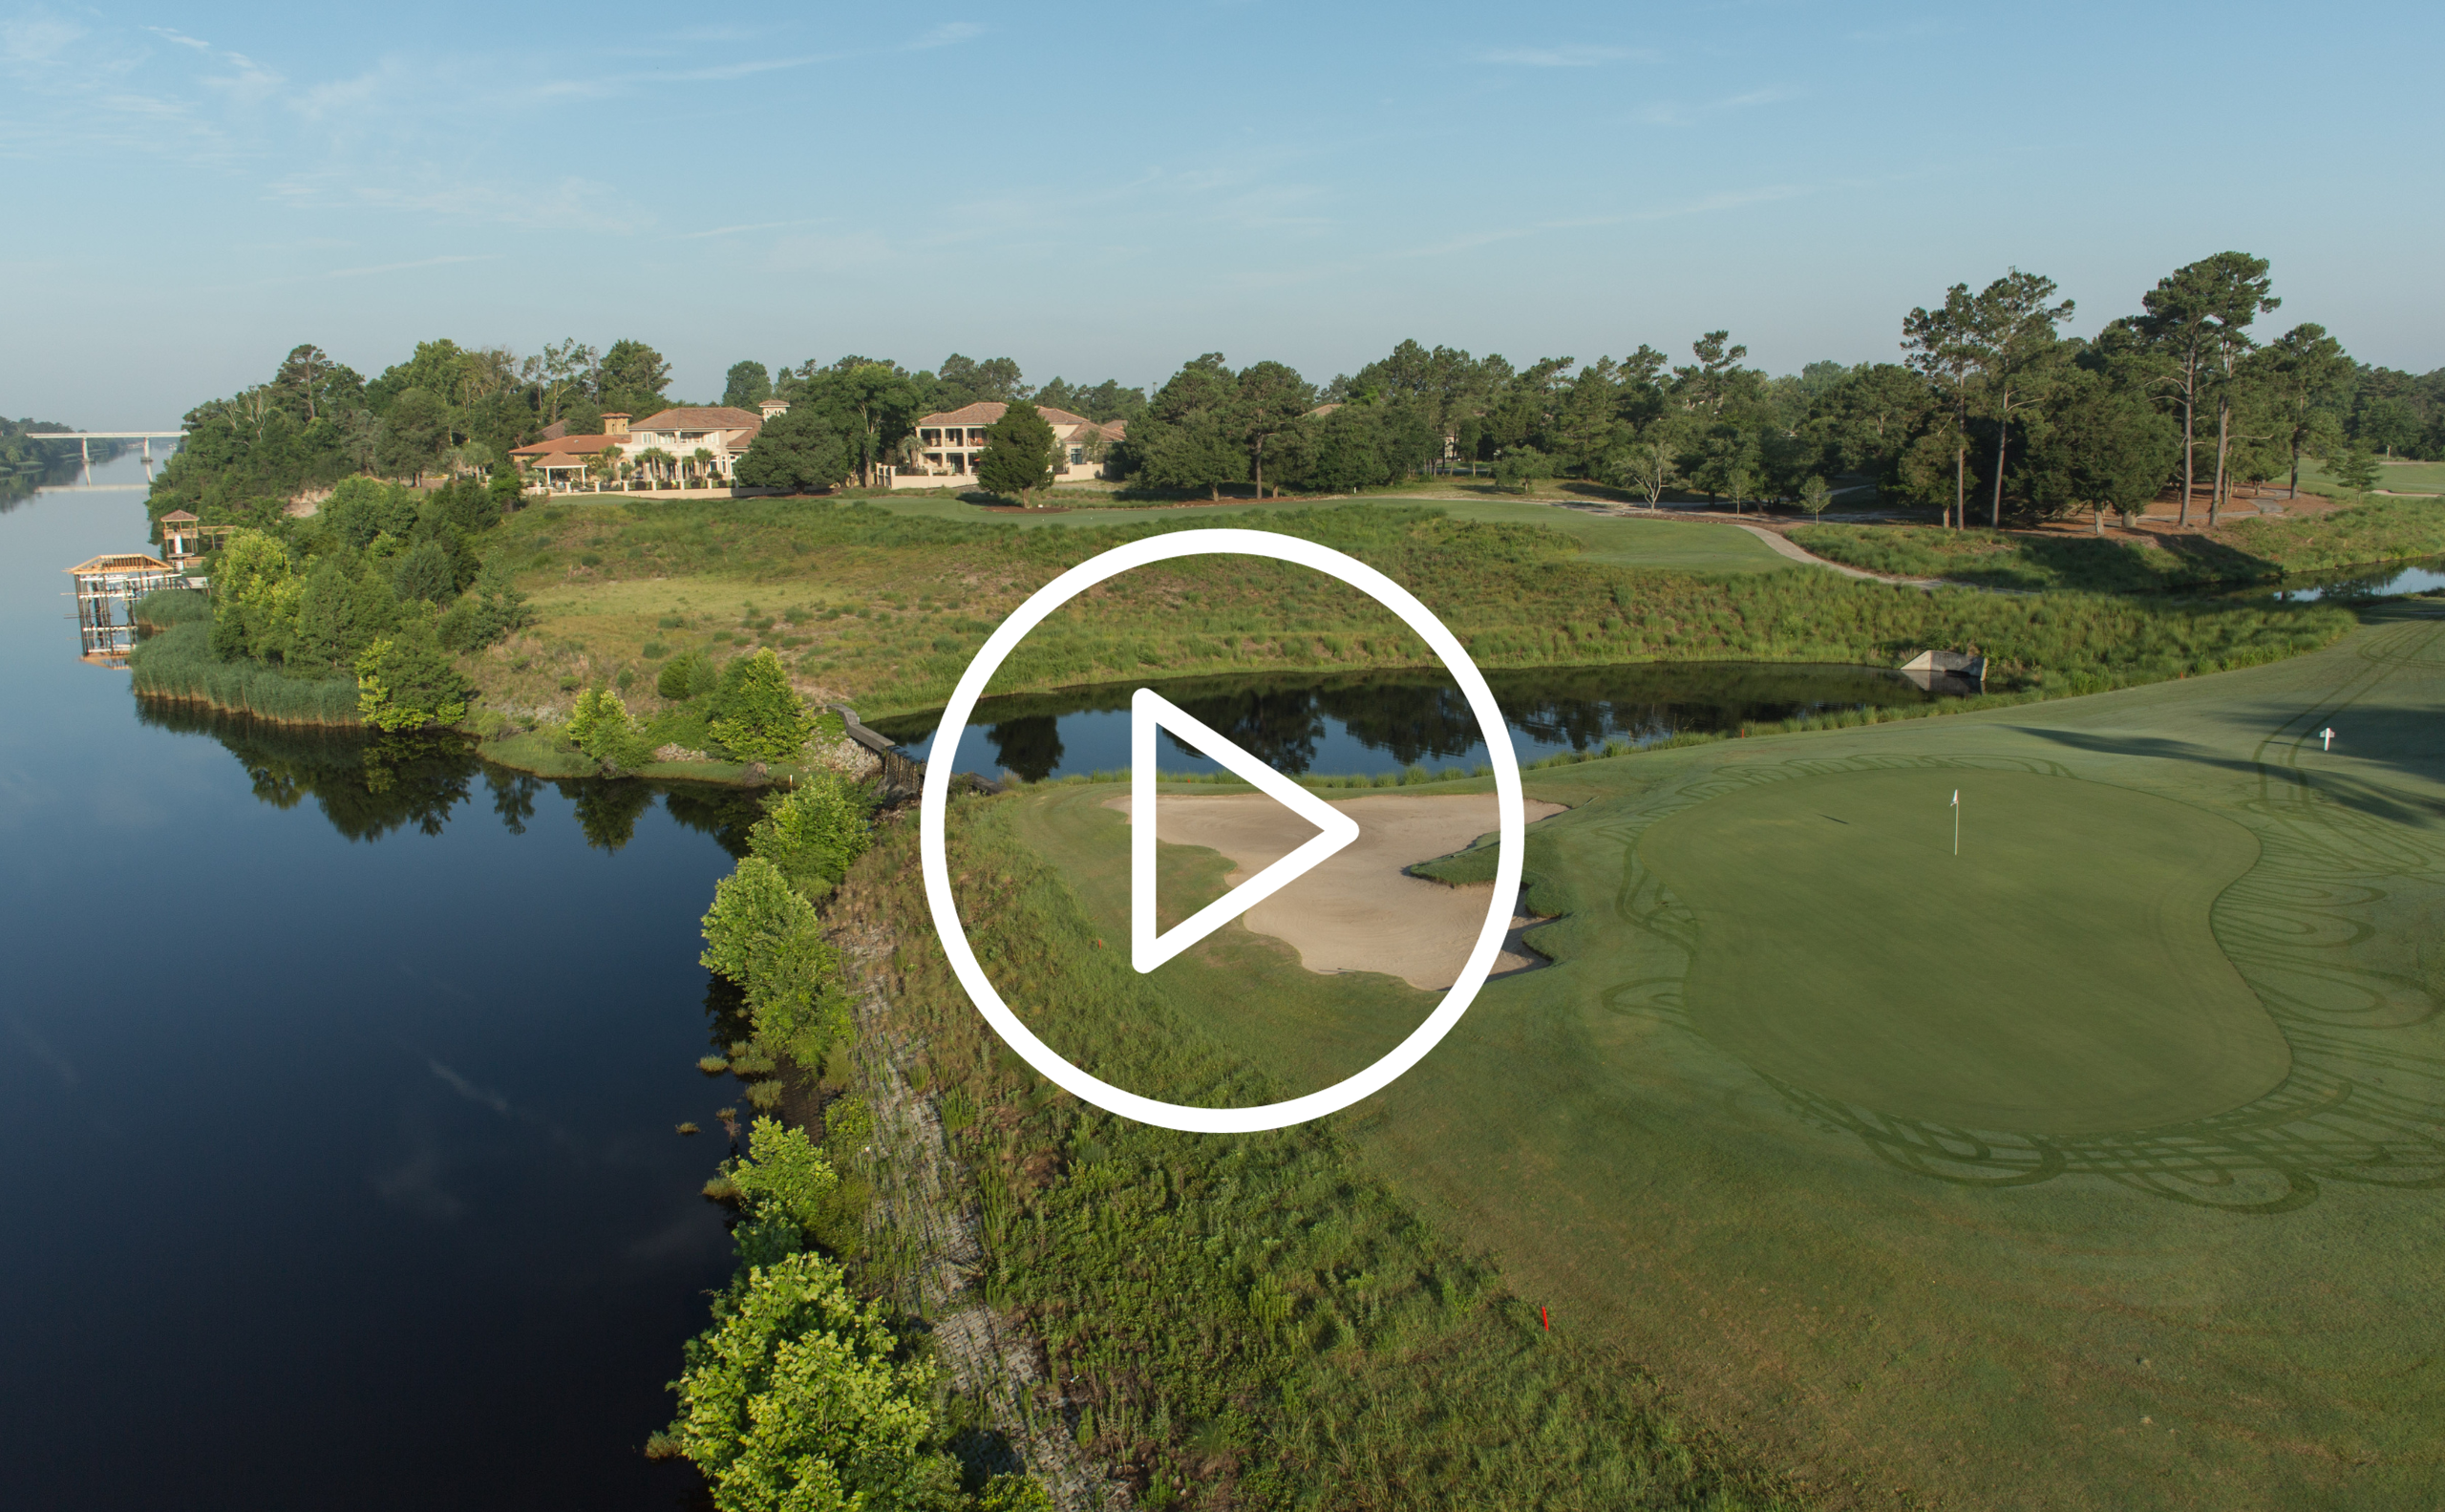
(1372, 723)
(2387, 580)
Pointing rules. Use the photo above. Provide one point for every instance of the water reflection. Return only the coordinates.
(369, 785)
(2388, 581)
(1384, 722)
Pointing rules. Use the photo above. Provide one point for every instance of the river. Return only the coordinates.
(338, 1100)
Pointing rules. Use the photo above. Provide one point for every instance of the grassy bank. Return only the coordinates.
(885, 610)
(1254, 1321)
(2248, 550)
(177, 664)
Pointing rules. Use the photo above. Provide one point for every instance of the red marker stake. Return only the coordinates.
(1546, 1321)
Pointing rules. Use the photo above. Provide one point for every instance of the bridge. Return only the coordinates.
(85, 439)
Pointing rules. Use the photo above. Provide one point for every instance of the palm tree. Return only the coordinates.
(705, 464)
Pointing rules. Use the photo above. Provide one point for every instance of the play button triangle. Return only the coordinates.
(1150, 712)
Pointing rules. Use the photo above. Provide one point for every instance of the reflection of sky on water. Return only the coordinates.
(2389, 581)
(1369, 725)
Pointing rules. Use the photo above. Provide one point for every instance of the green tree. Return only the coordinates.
(599, 726)
(814, 834)
(1815, 496)
(756, 715)
(797, 1399)
(413, 434)
(630, 379)
(2103, 447)
(747, 385)
(1019, 454)
(1267, 399)
(1649, 464)
(2013, 337)
(798, 450)
(406, 681)
(1521, 467)
(2352, 465)
(763, 935)
(424, 572)
(1942, 347)
(255, 598)
(1345, 452)
(2198, 318)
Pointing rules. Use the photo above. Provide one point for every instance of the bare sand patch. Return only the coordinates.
(1357, 912)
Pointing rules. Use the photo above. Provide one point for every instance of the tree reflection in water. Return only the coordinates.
(370, 785)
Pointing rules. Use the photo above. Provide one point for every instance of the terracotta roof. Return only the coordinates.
(1115, 430)
(984, 411)
(576, 444)
(697, 418)
(179, 515)
(554, 431)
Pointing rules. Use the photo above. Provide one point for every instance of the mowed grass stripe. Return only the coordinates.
(2059, 976)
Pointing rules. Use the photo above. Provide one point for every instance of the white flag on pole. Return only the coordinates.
(1956, 798)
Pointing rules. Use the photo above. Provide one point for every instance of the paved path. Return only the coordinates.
(1782, 545)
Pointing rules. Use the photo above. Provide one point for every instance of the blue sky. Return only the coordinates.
(1106, 190)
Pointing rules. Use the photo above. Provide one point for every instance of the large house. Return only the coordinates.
(948, 443)
(561, 462)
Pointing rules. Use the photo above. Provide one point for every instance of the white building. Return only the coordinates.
(948, 443)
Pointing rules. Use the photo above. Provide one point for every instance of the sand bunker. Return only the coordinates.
(1357, 912)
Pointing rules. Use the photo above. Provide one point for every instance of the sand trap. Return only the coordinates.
(1357, 912)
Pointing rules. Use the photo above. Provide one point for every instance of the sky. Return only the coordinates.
(1108, 190)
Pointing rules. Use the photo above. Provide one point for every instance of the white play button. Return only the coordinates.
(1150, 712)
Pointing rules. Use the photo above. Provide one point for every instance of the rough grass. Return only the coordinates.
(2252, 549)
(177, 664)
(892, 608)
(1260, 1318)
(167, 607)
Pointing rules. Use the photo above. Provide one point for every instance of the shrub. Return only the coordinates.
(815, 833)
(756, 715)
(599, 726)
(406, 681)
(797, 1397)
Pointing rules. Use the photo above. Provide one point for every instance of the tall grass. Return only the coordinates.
(164, 607)
(177, 664)
(1257, 1313)
(2248, 550)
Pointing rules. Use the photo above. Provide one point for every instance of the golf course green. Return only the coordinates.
(1845, 948)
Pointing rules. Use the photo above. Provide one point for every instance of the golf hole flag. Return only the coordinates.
(1956, 822)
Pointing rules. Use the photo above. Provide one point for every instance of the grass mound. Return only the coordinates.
(2059, 976)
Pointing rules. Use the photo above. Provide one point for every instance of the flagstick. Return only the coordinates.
(1956, 822)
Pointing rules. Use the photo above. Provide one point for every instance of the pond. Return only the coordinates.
(2389, 580)
(338, 1082)
(1374, 723)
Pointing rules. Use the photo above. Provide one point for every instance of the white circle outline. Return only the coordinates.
(1512, 817)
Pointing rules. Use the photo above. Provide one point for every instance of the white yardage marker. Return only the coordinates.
(1150, 712)
(2328, 735)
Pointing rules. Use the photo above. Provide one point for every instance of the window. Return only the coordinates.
(1078, 455)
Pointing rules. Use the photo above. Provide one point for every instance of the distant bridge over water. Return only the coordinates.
(85, 441)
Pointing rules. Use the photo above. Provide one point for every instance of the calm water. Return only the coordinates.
(337, 1091)
(2368, 583)
(1386, 722)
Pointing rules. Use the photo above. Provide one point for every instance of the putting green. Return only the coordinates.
(2058, 977)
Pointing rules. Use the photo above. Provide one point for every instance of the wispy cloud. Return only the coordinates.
(947, 33)
(421, 262)
(1679, 113)
(1575, 54)
(759, 226)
